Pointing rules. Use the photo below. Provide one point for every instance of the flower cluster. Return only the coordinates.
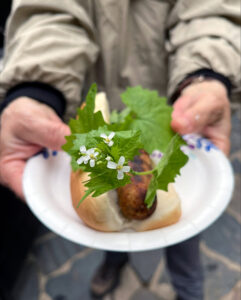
(87, 156)
(91, 156)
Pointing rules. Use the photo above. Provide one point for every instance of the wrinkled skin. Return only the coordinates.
(27, 126)
(208, 102)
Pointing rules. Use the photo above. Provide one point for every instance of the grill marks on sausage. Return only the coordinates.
(132, 196)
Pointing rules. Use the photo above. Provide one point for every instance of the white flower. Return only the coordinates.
(84, 158)
(108, 158)
(156, 156)
(91, 154)
(119, 167)
(108, 139)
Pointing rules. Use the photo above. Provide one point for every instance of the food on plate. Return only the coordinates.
(131, 197)
(115, 185)
(103, 212)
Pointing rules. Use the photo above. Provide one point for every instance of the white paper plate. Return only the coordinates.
(205, 187)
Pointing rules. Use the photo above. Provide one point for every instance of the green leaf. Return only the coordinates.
(151, 115)
(118, 120)
(102, 179)
(105, 181)
(145, 123)
(87, 193)
(126, 143)
(87, 120)
(167, 169)
(67, 147)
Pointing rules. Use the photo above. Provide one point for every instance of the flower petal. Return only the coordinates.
(111, 135)
(108, 158)
(110, 143)
(90, 151)
(80, 160)
(96, 153)
(121, 161)
(82, 149)
(86, 159)
(120, 175)
(92, 163)
(104, 136)
(111, 165)
(126, 169)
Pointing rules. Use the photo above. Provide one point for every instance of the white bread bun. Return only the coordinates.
(103, 213)
(101, 104)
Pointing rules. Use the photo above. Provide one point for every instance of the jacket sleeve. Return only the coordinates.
(51, 42)
(203, 35)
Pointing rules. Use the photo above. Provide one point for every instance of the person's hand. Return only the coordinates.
(26, 127)
(204, 108)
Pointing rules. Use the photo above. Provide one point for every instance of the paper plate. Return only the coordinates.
(205, 188)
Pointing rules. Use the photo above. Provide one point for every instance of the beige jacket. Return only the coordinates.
(119, 43)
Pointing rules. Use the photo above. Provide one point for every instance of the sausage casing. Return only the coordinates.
(131, 197)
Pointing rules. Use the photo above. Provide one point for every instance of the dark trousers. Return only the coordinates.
(18, 228)
(184, 265)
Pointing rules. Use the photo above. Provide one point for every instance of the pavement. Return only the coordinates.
(57, 269)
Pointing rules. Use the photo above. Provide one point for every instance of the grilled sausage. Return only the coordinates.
(131, 197)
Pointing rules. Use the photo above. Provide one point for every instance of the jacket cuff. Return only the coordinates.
(39, 91)
(205, 73)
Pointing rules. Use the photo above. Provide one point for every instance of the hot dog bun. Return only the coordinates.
(103, 213)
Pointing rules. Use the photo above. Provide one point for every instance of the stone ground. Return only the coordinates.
(57, 269)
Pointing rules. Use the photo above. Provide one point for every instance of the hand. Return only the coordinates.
(204, 108)
(26, 127)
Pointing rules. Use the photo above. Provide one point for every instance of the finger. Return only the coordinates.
(222, 144)
(49, 134)
(180, 123)
(220, 138)
(198, 116)
(182, 104)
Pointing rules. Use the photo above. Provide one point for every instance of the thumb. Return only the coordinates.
(195, 118)
(51, 134)
(181, 124)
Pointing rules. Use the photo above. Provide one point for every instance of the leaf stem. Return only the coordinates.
(142, 173)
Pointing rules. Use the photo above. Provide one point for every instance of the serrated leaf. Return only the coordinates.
(151, 115)
(167, 169)
(102, 179)
(105, 181)
(120, 121)
(145, 123)
(87, 120)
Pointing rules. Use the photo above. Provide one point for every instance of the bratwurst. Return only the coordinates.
(131, 196)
